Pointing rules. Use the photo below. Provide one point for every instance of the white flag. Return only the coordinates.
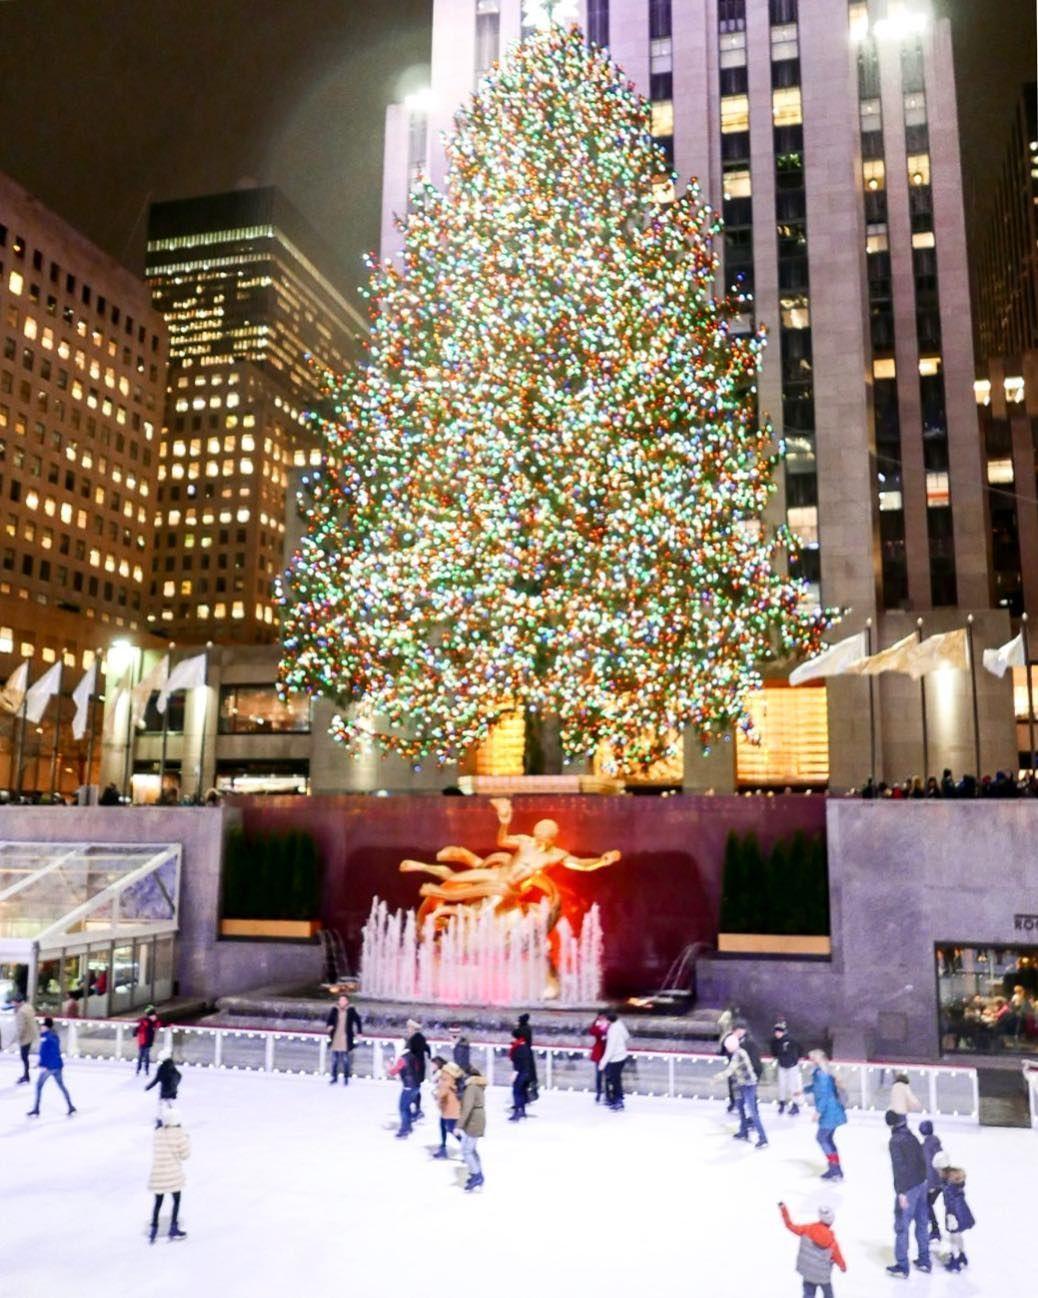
(113, 698)
(833, 661)
(81, 697)
(142, 692)
(184, 676)
(38, 695)
(1011, 654)
(13, 693)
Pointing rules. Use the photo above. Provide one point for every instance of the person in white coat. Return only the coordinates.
(613, 1060)
(172, 1146)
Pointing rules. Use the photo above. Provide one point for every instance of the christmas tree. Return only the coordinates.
(544, 489)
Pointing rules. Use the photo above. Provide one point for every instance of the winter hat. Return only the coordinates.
(895, 1119)
(941, 1160)
(926, 1128)
(826, 1215)
(413, 1025)
(780, 1025)
(171, 1118)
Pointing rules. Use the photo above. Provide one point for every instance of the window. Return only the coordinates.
(929, 365)
(663, 118)
(737, 184)
(874, 173)
(919, 168)
(735, 114)
(1000, 472)
(784, 42)
(796, 312)
(937, 490)
(884, 368)
(876, 238)
(915, 109)
(660, 23)
(257, 710)
(598, 22)
(733, 49)
(923, 239)
(786, 107)
(488, 35)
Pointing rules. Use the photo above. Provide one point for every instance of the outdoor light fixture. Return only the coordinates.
(900, 23)
(420, 101)
(119, 656)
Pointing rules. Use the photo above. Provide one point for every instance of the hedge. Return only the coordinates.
(785, 891)
(271, 876)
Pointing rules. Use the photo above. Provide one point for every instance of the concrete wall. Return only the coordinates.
(902, 877)
(205, 966)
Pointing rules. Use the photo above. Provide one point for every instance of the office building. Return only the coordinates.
(826, 134)
(256, 315)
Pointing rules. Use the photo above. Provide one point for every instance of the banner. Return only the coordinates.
(833, 661)
(81, 696)
(918, 658)
(38, 696)
(184, 676)
(13, 693)
(1011, 654)
(893, 659)
(142, 692)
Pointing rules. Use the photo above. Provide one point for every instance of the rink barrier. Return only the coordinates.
(943, 1090)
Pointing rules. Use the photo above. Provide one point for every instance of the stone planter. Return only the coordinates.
(276, 930)
(784, 944)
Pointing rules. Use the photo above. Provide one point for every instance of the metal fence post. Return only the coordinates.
(268, 1054)
(72, 1044)
(218, 1050)
(490, 1065)
(547, 1069)
(670, 1076)
(322, 1056)
(932, 1080)
(119, 1032)
(167, 1037)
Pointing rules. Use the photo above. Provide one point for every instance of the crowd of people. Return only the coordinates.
(923, 1173)
(1003, 784)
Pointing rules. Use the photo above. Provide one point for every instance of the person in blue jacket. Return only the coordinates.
(824, 1093)
(958, 1217)
(51, 1065)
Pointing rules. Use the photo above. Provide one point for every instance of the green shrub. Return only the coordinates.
(271, 876)
(785, 893)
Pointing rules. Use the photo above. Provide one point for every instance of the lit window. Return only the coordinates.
(915, 109)
(32, 499)
(889, 501)
(27, 649)
(1000, 472)
(661, 55)
(6, 640)
(982, 392)
(29, 328)
(15, 283)
(246, 467)
(232, 400)
(803, 520)
(663, 191)
(169, 589)
(95, 558)
(937, 490)
(874, 172)
(870, 115)
(735, 114)
(737, 184)
(663, 117)
(923, 239)
(919, 168)
(203, 611)
(48, 654)
(858, 15)
(733, 49)
(1014, 390)
(876, 238)
(248, 443)
(89, 658)
(784, 42)
(786, 108)
(929, 365)
(219, 610)
(238, 609)
(884, 368)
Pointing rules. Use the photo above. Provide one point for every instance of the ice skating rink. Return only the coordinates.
(297, 1188)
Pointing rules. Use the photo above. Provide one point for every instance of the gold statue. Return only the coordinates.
(513, 878)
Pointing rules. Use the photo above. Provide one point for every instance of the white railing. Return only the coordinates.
(1031, 1078)
(944, 1090)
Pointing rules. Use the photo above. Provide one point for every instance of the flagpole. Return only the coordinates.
(92, 717)
(1030, 696)
(165, 736)
(872, 706)
(973, 690)
(57, 732)
(21, 742)
(205, 719)
(922, 708)
(137, 663)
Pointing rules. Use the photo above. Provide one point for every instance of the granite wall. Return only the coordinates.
(903, 876)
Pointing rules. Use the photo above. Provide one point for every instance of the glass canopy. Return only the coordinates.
(67, 896)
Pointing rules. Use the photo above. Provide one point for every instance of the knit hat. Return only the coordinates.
(413, 1025)
(941, 1160)
(826, 1215)
(895, 1119)
(926, 1128)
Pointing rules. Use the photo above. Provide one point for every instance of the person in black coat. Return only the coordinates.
(786, 1052)
(419, 1047)
(344, 1025)
(167, 1079)
(908, 1164)
(522, 1061)
(526, 1032)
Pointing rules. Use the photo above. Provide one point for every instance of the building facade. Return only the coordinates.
(82, 388)
(826, 134)
(256, 316)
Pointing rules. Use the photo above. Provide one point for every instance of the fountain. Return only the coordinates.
(478, 955)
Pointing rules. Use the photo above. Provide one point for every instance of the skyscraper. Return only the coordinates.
(826, 135)
(250, 294)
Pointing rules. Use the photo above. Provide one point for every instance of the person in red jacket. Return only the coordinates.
(146, 1029)
(598, 1030)
(818, 1251)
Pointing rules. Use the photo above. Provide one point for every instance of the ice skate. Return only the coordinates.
(153, 1230)
(781, 1107)
(925, 1267)
(794, 1109)
(176, 1233)
(900, 1272)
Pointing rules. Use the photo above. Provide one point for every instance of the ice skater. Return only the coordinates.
(522, 1061)
(786, 1052)
(410, 1068)
(419, 1047)
(741, 1070)
(147, 1026)
(957, 1215)
(447, 1100)
(473, 1124)
(598, 1032)
(51, 1065)
(934, 1184)
(27, 1030)
(171, 1147)
(461, 1050)
(614, 1057)
(830, 1112)
(902, 1098)
(167, 1079)
(533, 1091)
(344, 1026)
(819, 1251)
(909, 1168)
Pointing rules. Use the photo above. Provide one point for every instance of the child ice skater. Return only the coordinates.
(934, 1184)
(958, 1217)
(818, 1251)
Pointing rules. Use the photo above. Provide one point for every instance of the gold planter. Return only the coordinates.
(786, 944)
(281, 930)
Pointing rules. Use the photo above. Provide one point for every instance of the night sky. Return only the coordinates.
(107, 105)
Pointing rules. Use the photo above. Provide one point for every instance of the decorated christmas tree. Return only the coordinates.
(545, 487)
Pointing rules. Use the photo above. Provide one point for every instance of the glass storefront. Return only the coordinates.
(257, 710)
(988, 999)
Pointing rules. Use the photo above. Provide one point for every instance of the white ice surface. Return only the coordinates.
(296, 1188)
